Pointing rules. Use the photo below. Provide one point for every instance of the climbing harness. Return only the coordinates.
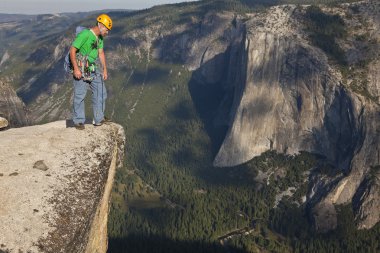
(86, 68)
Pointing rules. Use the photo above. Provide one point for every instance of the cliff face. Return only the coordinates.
(3, 123)
(287, 91)
(11, 106)
(55, 187)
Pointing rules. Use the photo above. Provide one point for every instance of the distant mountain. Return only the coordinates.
(13, 17)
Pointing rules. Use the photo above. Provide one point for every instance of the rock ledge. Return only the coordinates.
(55, 184)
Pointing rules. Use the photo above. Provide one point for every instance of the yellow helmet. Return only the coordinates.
(105, 20)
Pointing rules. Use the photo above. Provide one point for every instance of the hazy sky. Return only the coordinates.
(56, 6)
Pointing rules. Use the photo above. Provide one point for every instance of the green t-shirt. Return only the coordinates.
(88, 44)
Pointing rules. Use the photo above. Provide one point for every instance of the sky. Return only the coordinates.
(58, 6)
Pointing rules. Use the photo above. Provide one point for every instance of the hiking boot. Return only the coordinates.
(79, 126)
(106, 121)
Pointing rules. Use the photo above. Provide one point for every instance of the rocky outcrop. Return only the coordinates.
(3, 123)
(11, 106)
(325, 216)
(55, 184)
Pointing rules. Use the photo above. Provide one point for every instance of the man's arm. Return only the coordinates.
(73, 58)
(102, 58)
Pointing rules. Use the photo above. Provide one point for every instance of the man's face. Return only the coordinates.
(103, 30)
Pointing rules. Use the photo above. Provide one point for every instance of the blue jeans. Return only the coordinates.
(99, 95)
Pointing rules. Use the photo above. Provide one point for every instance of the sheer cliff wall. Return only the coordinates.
(55, 185)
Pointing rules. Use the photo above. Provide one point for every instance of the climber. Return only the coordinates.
(85, 51)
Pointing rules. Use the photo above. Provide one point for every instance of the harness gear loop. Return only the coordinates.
(85, 67)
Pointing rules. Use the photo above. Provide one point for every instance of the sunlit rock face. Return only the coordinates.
(55, 184)
(290, 98)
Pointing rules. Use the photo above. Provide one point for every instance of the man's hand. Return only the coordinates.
(105, 74)
(77, 74)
